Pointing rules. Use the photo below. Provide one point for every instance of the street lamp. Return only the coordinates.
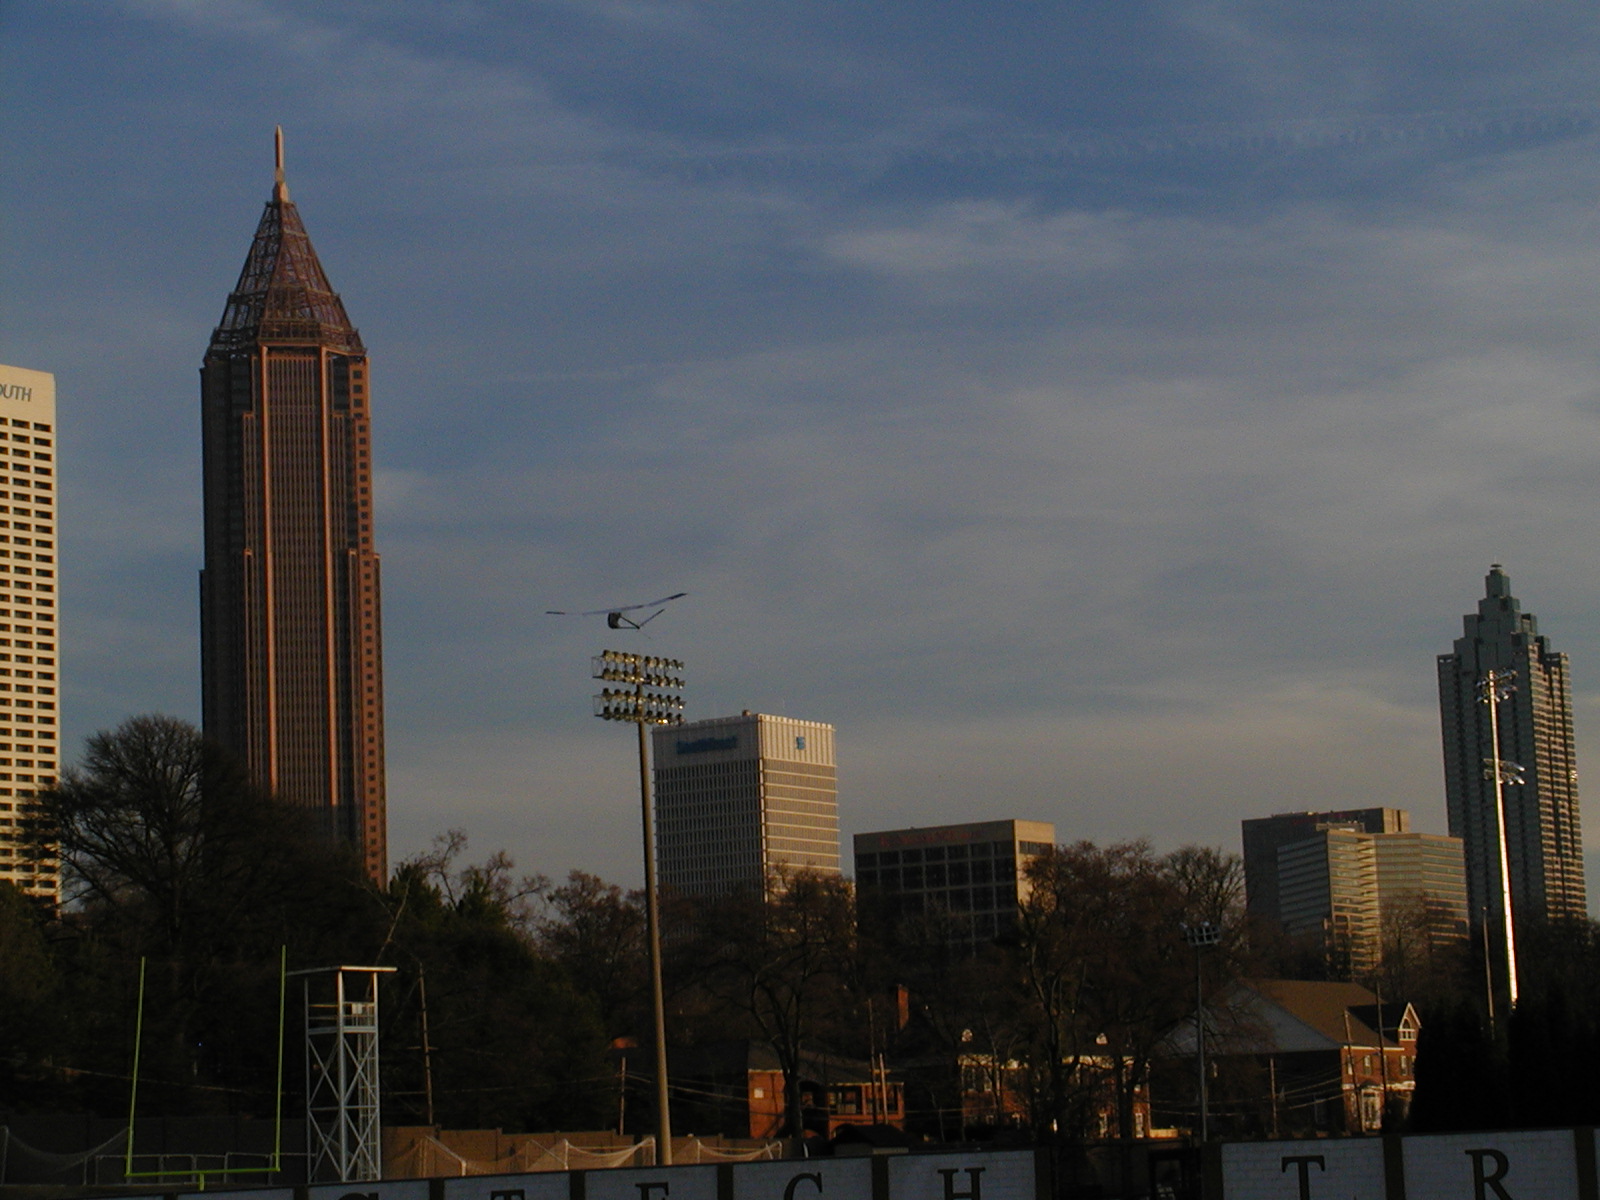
(650, 697)
(1201, 936)
(1493, 688)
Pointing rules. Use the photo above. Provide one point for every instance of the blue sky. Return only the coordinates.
(1101, 412)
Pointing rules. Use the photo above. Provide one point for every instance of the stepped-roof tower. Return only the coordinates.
(1539, 767)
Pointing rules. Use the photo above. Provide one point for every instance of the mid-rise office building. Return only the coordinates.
(30, 745)
(1360, 893)
(973, 876)
(290, 629)
(1265, 836)
(1544, 842)
(742, 801)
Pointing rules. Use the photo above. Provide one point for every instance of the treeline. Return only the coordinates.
(170, 857)
(516, 999)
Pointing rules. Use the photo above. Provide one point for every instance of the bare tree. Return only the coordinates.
(1109, 974)
(169, 854)
(782, 958)
(597, 932)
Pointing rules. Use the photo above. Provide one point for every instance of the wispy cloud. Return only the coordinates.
(1100, 413)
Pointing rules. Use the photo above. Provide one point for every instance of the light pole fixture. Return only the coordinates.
(1201, 936)
(1493, 688)
(650, 696)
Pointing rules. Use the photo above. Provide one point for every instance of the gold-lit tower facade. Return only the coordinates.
(291, 631)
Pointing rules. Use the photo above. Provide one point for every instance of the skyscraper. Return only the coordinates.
(291, 637)
(739, 798)
(30, 747)
(1543, 839)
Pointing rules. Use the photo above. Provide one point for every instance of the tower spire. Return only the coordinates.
(280, 189)
(283, 291)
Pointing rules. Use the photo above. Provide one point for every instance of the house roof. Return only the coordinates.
(1291, 1016)
(1396, 1015)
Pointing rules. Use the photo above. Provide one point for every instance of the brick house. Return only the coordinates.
(735, 1088)
(1302, 1057)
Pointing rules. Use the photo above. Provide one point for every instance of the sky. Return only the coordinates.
(1100, 412)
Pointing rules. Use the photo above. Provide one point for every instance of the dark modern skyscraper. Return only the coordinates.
(1543, 839)
(291, 638)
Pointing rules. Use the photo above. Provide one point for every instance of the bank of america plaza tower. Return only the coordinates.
(291, 635)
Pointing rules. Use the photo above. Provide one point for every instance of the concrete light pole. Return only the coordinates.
(1495, 687)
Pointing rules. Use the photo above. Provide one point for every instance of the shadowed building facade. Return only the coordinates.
(291, 635)
(972, 878)
(1543, 838)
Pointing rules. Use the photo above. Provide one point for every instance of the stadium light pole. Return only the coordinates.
(1201, 936)
(1493, 688)
(651, 698)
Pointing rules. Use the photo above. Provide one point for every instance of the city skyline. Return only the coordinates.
(1092, 414)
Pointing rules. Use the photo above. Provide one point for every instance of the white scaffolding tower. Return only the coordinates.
(344, 1139)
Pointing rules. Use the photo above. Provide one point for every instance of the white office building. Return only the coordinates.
(30, 745)
(743, 800)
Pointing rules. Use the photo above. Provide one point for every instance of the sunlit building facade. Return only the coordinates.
(291, 633)
(742, 801)
(30, 745)
(1264, 837)
(1361, 895)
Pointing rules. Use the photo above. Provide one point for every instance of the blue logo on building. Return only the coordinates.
(705, 745)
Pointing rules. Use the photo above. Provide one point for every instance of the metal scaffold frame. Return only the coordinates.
(344, 1139)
